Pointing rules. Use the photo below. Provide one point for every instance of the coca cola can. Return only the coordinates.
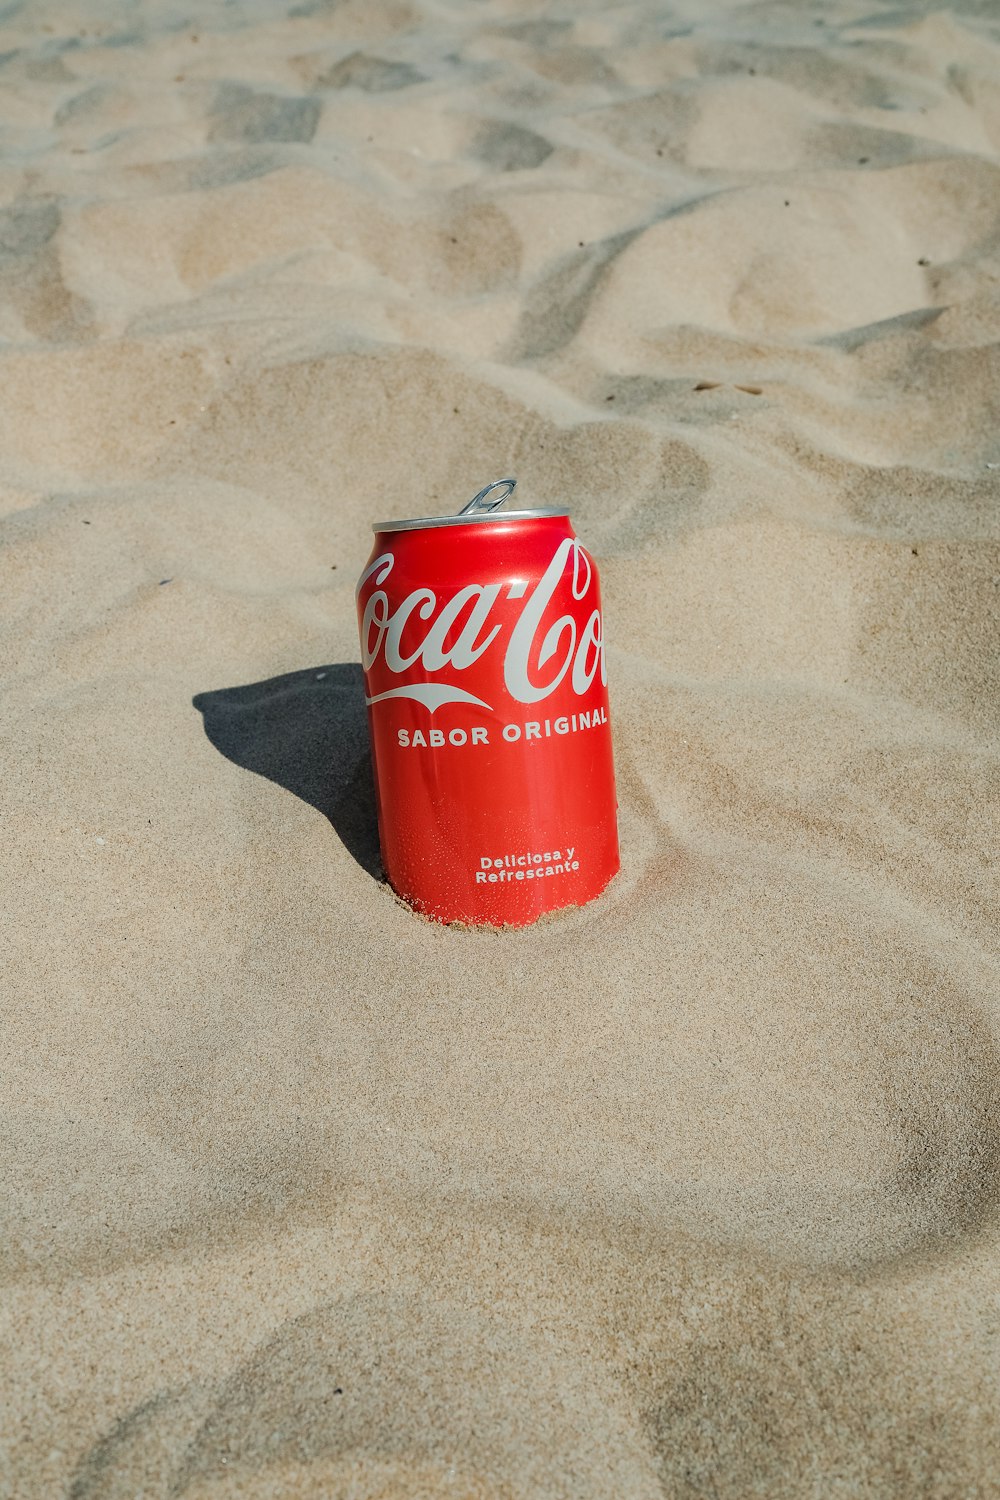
(482, 645)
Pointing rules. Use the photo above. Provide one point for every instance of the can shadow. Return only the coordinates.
(308, 732)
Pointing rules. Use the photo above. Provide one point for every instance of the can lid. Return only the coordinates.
(482, 507)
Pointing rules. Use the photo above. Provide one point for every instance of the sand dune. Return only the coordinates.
(690, 1192)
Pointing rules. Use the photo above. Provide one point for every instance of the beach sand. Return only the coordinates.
(691, 1192)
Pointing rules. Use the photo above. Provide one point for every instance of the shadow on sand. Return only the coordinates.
(308, 732)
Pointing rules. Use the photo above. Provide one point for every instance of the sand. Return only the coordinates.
(692, 1192)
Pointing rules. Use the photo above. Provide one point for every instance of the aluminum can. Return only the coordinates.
(482, 646)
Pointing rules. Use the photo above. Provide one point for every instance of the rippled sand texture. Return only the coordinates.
(693, 1192)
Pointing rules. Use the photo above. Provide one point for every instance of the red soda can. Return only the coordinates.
(482, 645)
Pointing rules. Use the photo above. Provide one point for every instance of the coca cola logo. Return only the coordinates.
(538, 656)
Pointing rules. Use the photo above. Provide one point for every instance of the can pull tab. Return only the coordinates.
(479, 504)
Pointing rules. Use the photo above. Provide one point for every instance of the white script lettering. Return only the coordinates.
(537, 656)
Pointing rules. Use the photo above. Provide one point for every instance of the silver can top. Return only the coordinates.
(482, 507)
